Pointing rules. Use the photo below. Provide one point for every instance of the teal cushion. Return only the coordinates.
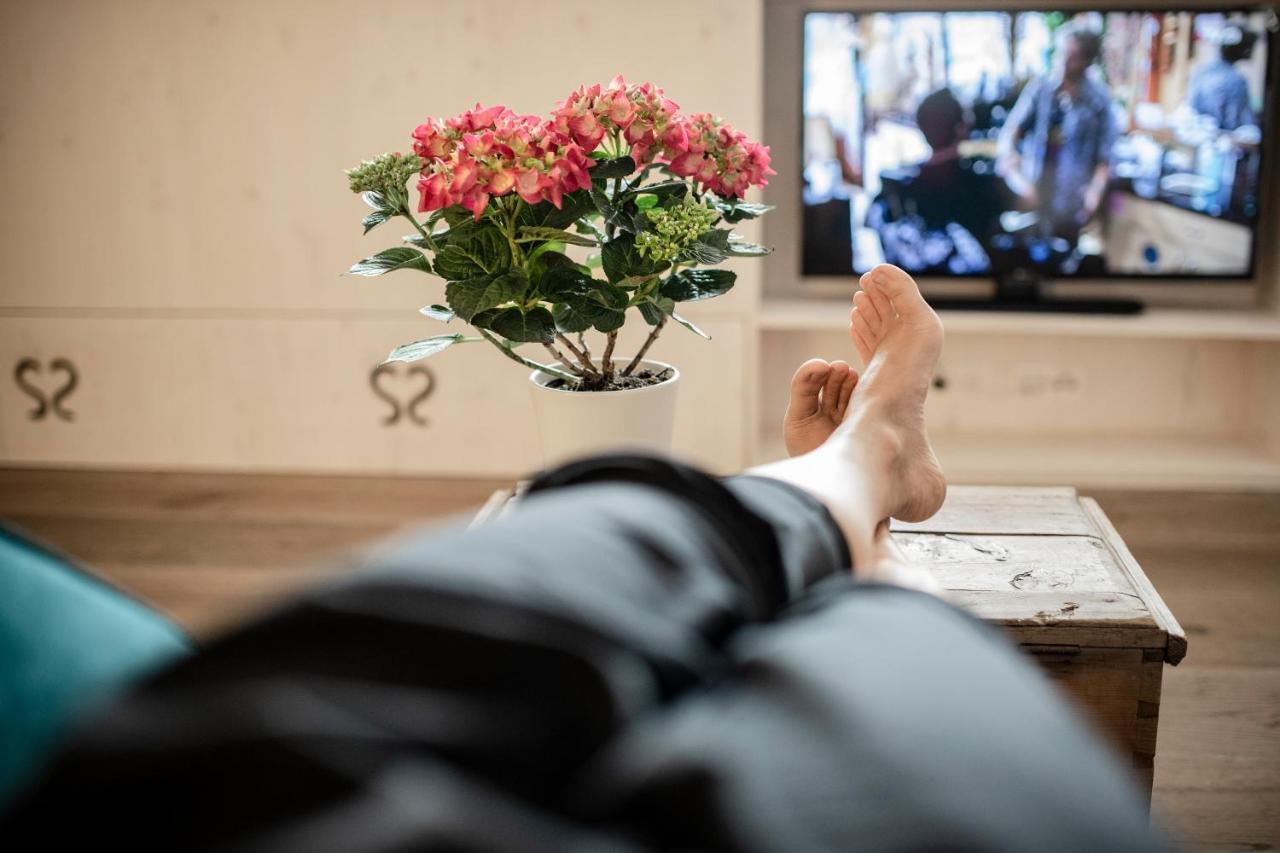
(68, 643)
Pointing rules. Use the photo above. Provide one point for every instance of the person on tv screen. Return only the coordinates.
(937, 215)
(1218, 89)
(947, 187)
(1055, 147)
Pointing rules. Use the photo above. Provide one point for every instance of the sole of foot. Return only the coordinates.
(899, 338)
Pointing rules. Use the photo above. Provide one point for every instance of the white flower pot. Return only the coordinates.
(572, 424)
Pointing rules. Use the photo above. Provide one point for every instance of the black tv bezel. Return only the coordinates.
(1269, 110)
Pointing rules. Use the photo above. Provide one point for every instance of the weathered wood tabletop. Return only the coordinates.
(1045, 564)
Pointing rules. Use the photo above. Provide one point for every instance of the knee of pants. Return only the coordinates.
(868, 718)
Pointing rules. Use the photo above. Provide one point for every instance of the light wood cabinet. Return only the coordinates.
(299, 395)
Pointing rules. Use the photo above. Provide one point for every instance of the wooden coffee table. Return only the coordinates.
(1048, 568)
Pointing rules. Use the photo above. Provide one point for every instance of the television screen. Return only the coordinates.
(1074, 144)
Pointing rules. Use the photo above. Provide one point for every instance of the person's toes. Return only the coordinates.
(864, 331)
(806, 386)
(836, 376)
(901, 288)
(882, 304)
(846, 393)
(868, 309)
(859, 343)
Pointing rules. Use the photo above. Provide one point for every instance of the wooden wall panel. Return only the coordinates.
(190, 154)
(268, 394)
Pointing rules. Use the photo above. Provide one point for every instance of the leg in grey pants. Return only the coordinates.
(640, 657)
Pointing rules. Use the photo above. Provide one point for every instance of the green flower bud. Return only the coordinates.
(385, 175)
(672, 229)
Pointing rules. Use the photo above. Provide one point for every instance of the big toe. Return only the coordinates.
(901, 288)
(806, 386)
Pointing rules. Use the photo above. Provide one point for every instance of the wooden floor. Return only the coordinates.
(210, 549)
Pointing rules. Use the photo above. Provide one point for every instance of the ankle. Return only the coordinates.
(870, 435)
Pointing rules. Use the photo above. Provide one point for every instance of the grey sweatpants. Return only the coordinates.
(640, 657)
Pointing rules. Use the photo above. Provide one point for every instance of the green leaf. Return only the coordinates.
(437, 312)
(635, 282)
(688, 325)
(374, 200)
(583, 301)
(556, 258)
(536, 326)
(551, 247)
(456, 214)
(607, 320)
(736, 211)
(580, 316)
(709, 248)
(473, 295)
(617, 212)
(618, 167)
(602, 203)
(588, 228)
(471, 251)
(668, 192)
(741, 248)
(572, 207)
(419, 350)
(532, 233)
(694, 285)
(431, 242)
(399, 258)
(562, 281)
(718, 237)
(621, 260)
(376, 218)
(644, 201)
(567, 320)
(652, 310)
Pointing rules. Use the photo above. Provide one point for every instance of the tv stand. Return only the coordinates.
(1022, 290)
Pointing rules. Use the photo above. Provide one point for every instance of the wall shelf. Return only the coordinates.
(814, 315)
(1202, 382)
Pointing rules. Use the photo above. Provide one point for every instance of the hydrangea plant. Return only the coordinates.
(648, 193)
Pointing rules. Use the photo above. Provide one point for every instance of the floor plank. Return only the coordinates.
(1207, 713)
(1215, 559)
(212, 548)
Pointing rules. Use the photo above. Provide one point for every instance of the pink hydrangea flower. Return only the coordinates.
(430, 141)
(639, 112)
(717, 156)
(489, 152)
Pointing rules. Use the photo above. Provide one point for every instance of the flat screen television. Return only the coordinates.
(1035, 144)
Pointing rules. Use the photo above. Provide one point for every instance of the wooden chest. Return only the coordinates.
(1049, 569)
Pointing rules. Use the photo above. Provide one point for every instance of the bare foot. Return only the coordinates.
(878, 463)
(899, 338)
(891, 566)
(820, 395)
